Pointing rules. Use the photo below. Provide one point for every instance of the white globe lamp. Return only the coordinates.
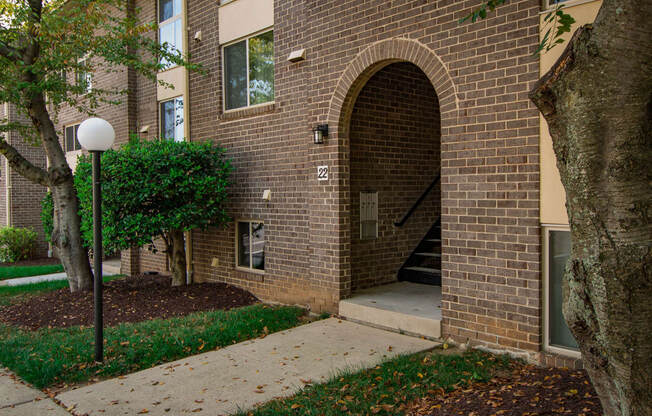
(96, 135)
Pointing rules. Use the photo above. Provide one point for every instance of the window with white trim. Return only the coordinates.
(171, 112)
(170, 25)
(249, 71)
(250, 245)
(83, 77)
(70, 138)
(557, 248)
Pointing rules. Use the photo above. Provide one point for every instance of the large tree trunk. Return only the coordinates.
(597, 100)
(176, 251)
(66, 236)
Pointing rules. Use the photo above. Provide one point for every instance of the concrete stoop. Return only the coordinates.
(405, 307)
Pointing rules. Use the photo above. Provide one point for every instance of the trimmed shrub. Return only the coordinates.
(16, 244)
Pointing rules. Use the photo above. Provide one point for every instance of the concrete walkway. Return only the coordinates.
(109, 268)
(18, 399)
(242, 375)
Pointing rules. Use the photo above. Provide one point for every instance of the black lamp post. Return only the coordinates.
(97, 135)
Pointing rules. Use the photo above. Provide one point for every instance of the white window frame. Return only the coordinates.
(88, 75)
(166, 22)
(65, 143)
(555, 349)
(160, 124)
(251, 251)
(233, 42)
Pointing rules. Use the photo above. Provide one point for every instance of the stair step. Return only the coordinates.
(423, 269)
(428, 254)
(434, 240)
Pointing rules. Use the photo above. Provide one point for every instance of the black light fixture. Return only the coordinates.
(319, 132)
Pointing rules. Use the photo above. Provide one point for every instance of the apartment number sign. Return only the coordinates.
(322, 173)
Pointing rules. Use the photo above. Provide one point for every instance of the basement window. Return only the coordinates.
(70, 138)
(250, 245)
(557, 335)
(249, 71)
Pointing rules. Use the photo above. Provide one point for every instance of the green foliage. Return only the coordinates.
(50, 356)
(74, 39)
(12, 272)
(16, 244)
(152, 187)
(556, 21)
(47, 216)
(387, 388)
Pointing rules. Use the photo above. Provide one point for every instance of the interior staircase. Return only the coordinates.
(424, 263)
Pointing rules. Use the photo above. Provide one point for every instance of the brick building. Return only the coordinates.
(20, 199)
(418, 107)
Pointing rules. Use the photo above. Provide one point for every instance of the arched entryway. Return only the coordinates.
(391, 113)
(394, 148)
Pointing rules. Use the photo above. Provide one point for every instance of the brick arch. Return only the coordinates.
(376, 57)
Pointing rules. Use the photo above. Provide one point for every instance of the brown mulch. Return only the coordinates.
(33, 262)
(528, 391)
(132, 299)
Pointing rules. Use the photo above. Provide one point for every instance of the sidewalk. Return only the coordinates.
(18, 399)
(109, 268)
(239, 376)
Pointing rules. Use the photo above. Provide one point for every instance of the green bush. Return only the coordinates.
(47, 216)
(16, 244)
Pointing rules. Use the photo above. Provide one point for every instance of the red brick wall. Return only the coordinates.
(481, 73)
(26, 196)
(490, 184)
(395, 146)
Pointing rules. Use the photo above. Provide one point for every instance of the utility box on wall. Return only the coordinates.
(368, 215)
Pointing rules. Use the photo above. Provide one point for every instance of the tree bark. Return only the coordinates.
(597, 100)
(176, 251)
(66, 236)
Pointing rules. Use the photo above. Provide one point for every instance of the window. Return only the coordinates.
(70, 138)
(83, 78)
(170, 27)
(557, 248)
(251, 245)
(550, 3)
(249, 71)
(172, 119)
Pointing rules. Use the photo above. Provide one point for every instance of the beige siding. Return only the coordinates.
(553, 198)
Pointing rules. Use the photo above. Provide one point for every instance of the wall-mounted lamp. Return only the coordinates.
(319, 132)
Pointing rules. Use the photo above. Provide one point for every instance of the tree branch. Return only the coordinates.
(9, 53)
(22, 165)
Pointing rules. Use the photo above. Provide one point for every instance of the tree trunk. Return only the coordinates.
(66, 236)
(597, 100)
(177, 254)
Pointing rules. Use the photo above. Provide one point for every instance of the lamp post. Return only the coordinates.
(97, 135)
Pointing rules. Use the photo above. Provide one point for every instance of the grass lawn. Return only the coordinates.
(389, 387)
(11, 272)
(65, 355)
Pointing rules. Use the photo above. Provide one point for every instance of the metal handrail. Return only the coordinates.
(418, 202)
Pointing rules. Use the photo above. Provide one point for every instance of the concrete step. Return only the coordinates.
(409, 308)
(423, 269)
(434, 240)
(428, 254)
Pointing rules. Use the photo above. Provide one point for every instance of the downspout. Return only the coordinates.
(186, 115)
(8, 175)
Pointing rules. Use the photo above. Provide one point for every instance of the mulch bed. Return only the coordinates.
(132, 299)
(528, 391)
(33, 262)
